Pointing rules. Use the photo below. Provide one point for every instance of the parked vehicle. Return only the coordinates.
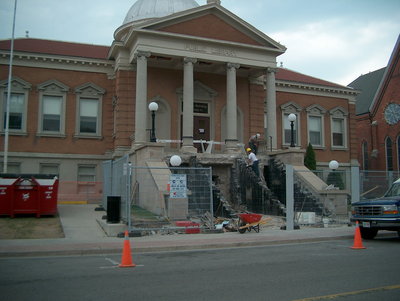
(378, 214)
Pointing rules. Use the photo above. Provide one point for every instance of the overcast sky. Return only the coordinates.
(335, 40)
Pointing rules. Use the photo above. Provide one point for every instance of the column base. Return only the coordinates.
(232, 147)
(188, 149)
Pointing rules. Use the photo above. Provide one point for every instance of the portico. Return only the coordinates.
(162, 43)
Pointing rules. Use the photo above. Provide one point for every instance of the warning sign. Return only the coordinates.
(177, 186)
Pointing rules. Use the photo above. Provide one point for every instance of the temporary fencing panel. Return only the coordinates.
(172, 192)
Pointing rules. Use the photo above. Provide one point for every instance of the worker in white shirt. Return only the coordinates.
(252, 161)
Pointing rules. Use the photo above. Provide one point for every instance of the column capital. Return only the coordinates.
(272, 70)
(189, 60)
(232, 65)
(142, 54)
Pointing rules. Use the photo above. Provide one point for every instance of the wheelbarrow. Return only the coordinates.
(250, 221)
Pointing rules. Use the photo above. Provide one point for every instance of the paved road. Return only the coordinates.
(280, 272)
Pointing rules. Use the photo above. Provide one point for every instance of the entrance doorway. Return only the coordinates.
(201, 130)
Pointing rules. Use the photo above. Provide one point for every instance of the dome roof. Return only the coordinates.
(145, 9)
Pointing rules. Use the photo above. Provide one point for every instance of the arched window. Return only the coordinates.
(364, 149)
(389, 153)
(398, 153)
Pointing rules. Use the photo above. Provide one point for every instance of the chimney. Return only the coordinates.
(218, 2)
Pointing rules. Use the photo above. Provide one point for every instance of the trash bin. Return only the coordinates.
(113, 209)
(7, 195)
(26, 197)
(48, 191)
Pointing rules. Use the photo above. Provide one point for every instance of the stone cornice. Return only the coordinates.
(57, 62)
(286, 86)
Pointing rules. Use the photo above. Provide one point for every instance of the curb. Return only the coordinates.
(170, 248)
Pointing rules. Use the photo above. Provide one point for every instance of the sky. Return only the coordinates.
(334, 40)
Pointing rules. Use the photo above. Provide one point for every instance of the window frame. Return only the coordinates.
(319, 112)
(339, 113)
(79, 174)
(364, 155)
(389, 154)
(89, 91)
(288, 108)
(18, 86)
(52, 88)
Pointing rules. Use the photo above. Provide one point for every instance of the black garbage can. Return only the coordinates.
(113, 209)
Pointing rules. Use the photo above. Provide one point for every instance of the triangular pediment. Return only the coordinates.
(212, 22)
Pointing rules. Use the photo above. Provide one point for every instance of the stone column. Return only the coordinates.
(271, 108)
(231, 108)
(141, 97)
(188, 100)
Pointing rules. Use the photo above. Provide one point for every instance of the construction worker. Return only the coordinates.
(252, 161)
(253, 142)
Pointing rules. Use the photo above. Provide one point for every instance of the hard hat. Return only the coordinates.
(248, 149)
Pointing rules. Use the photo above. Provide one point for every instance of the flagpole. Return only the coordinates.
(6, 134)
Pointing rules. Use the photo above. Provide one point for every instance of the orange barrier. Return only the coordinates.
(126, 260)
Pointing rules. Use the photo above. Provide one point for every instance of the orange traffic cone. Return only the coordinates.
(126, 260)
(357, 238)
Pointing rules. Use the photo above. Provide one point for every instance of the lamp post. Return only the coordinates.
(333, 165)
(153, 107)
(292, 119)
(175, 160)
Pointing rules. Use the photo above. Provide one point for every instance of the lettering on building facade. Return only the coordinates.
(210, 50)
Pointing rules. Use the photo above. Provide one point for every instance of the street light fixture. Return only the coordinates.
(175, 160)
(292, 119)
(333, 165)
(153, 107)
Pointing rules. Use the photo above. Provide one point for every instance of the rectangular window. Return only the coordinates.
(52, 109)
(49, 169)
(315, 130)
(288, 129)
(17, 108)
(87, 173)
(338, 132)
(88, 115)
(11, 167)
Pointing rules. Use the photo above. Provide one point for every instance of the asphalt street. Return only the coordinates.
(296, 271)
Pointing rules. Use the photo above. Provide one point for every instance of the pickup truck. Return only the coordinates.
(378, 214)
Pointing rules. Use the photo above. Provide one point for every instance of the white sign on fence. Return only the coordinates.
(177, 186)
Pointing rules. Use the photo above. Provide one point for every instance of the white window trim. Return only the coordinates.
(52, 88)
(288, 108)
(316, 111)
(94, 166)
(89, 91)
(18, 86)
(339, 113)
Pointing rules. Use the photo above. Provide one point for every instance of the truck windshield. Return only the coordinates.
(394, 190)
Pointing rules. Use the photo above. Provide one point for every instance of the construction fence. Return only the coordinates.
(175, 193)
(324, 197)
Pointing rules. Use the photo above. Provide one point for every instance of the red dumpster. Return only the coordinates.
(26, 197)
(6, 195)
(48, 190)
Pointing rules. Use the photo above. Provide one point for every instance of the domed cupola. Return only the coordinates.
(148, 9)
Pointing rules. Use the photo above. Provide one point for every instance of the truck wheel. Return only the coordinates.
(367, 233)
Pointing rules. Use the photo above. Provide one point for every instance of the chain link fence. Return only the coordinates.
(171, 193)
(374, 184)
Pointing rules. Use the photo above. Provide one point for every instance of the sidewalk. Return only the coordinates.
(83, 235)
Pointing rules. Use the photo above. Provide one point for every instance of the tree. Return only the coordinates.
(309, 158)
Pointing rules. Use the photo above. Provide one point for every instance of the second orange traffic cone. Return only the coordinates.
(126, 260)
(357, 239)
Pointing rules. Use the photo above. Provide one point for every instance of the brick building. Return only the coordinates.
(378, 116)
(213, 76)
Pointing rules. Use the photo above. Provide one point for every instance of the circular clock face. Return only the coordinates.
(392, 113)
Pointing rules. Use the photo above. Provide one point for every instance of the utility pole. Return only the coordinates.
(6, 130)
